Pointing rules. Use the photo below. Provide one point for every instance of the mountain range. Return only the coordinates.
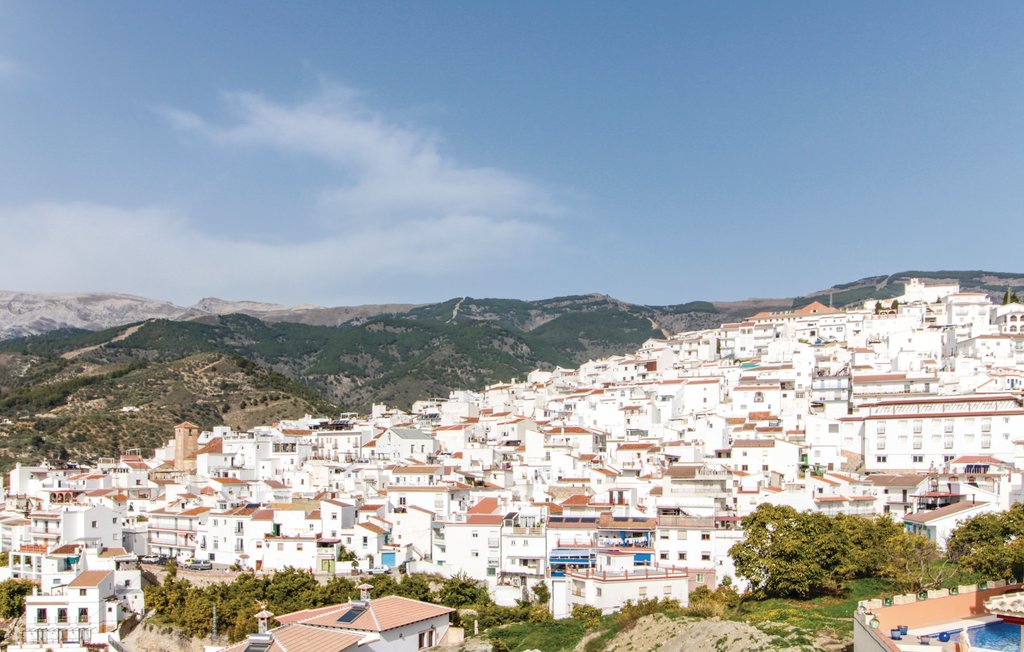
(83, 375)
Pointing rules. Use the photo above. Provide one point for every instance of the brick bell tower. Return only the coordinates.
(186, 443)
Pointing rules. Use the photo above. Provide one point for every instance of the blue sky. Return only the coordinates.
(340, 153)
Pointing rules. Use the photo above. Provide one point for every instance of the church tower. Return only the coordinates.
(186, 443)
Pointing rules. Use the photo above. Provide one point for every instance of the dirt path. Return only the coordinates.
(455, 310)
(128, 332)
(656, 326)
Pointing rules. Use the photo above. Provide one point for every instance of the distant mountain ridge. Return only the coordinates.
(32, 313)
(24, 314)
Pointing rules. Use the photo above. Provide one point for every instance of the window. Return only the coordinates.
(40, 615)
(94, 524)
(667, 589)
(881, 459)
(643, 591)
(833, 428)
(476, 535)
(426, 639)
(681, 556)
(62, 615)
(705, 536)
(918, 459)
(475, 553)
(81, 593)
(83, 615)
(700, 578)
(663, 555)
(705, 556)
(917, 426)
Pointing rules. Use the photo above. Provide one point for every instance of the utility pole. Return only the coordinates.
(215, 621)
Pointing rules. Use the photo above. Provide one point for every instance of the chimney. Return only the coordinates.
(262, 617)
(364, 591)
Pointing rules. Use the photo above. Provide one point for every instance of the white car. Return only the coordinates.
(378, 570)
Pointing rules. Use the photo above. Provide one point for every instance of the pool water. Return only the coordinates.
(997, 635)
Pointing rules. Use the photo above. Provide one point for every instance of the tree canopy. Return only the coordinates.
(787, 553)
(991, 545)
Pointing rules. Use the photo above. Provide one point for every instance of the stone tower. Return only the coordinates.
(186, 443)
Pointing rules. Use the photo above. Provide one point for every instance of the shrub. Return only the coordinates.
(538, 613)
(586, 614)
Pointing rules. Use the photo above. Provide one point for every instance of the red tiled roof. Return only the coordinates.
(383, 614)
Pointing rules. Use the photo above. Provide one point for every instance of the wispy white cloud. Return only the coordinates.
(415, 220)
(387, 171)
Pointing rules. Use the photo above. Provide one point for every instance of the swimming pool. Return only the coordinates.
(996, 635)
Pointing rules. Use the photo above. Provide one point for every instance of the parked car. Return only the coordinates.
(378, 570)
(198, 565)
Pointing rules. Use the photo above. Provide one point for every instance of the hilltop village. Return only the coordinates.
(622, 480)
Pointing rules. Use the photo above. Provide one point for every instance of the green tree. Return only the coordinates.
(197, 614)
(910, 562)
(990, 545)
(337, 590)
(12, 597)
(415, 587)
(291, 590)
(867, 539)
(541, 592)
(462, 591)
(786, 553)
(344, 554)
(383, 584)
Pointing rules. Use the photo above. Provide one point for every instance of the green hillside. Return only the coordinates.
(73, 410)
